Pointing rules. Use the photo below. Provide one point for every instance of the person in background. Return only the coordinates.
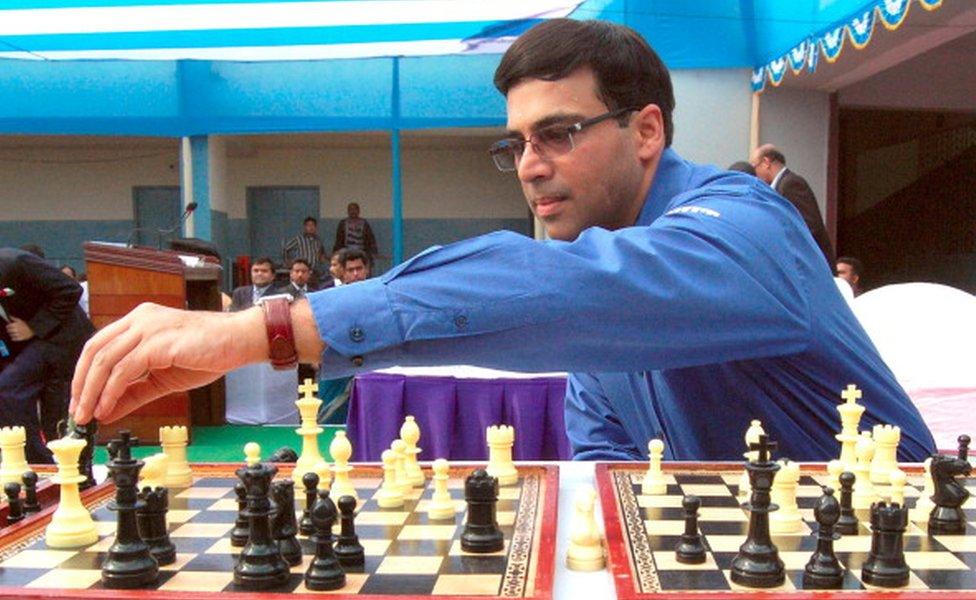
(298, 275)
(355, 232)
(262, 278)
(308, 246)
(335, 268)
(355, 266)
(743, 167)
(849, 269)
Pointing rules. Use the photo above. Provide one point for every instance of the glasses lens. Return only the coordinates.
(503, 153)
(553, 141)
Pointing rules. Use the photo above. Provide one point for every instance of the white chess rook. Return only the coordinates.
(886, 439)
(173, 440)
(13, 461)
(410, 434)
(501, 438)
(788, 518)
(71, 525)
(308, 408)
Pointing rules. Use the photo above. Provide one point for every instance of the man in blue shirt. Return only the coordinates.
(686, 300)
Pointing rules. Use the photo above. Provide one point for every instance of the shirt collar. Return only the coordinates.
(776, 179)
(671, 178)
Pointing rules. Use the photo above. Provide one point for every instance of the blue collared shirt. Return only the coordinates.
(714, 309)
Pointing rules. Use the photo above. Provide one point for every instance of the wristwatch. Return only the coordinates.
(281, 337)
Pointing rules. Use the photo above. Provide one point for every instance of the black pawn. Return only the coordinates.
(823, 571)
(348, 549)
(31, 505)
(151, 519)
(964, 447)
(885, 565)
(324, 573)
(285, 527)
(15, 505)
(238, 535)
(311, 482)
(690, 550)
(129, 563)
(481, 533)
(260, 565)
(847, 524)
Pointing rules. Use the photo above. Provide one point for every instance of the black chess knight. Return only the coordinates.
(947, 516)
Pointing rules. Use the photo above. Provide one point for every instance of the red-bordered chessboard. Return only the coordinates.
(643, 531)
(407, 554)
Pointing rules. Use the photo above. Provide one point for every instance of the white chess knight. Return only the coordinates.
(655, 483)
(788, 518)
(153, 472)
(585, 552)
(501, 438)
(752, 437)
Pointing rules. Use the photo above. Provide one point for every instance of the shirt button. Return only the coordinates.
(460, 321)
(357, 361)
(357, 334)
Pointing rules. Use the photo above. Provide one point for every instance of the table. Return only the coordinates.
(259, 395)
(454, 406)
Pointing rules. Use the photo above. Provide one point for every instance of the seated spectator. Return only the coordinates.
(355, 266)
(849, 269)
(262, 278)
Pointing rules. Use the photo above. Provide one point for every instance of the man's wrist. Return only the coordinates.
(254, 337)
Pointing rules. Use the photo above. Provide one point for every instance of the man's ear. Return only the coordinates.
(649, 123)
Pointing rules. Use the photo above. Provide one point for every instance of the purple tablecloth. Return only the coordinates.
(454, 413)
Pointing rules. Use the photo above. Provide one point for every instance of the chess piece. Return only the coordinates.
(308, 407)
(174, 440)
(390, 494)
(864, 495)
(31, 505)
(311, 483)
(585, 552)
(885, 565)
(501, 438)
(284, 526)
(690, 550)
(151, 519)
(823, 571)
(341, 451)
(947, 516)
(72, 525)
(241, 530)
(847, 524)
(834, 469)
(441, 505)
(15, 504)
(886, 439)
(348, 549)
(283, 455)
(481, 533)
(13, 461)
(896, 486)
(788, 518)
(325, 573)
(399, 450)
(924, 504)
(252, 453)
(757, 563)
(850, 417)
(128, 564)
(964, 441)
(410, 434)
(260, 565)
(654, 483)
(87, 432)
(154, 471)
(324, 471)
(752, 437)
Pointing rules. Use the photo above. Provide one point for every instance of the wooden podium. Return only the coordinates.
(121, 278)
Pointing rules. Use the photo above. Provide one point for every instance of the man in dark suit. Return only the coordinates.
(43, 333)
(770, 165)
(298, 275)
(262, 283)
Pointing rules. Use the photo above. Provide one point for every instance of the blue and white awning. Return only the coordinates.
(243, 30)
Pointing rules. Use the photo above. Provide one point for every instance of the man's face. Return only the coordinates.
(261, 274)
(310, 227)
(764, 169)
(299, 274)
(601, 181)
(335, 267)
(845, 272)
(352, 211)
(354, 270)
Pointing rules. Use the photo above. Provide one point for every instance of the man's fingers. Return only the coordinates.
(92, 347)
(138, 394)
(99, 369)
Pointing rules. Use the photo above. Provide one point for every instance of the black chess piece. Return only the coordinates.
(758, 564)
(15, 504)
(151, 519)
(847, 524)
(283, 455)
(284, 526)
(31, 505)
(885, 565)
(86, 432)
(823, 571)
(964, 441)
(238, 535)
(348, 549)
(311, 482)
(690, 550)
(260, 565)
(481, 533)
(129, 563)
(324, 573)
(947, 516)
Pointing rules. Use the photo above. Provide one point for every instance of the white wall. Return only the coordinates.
(711, 116)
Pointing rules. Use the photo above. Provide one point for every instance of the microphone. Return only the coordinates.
(161, 232)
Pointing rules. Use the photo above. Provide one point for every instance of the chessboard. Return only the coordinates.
(643, 531)
(407, 555)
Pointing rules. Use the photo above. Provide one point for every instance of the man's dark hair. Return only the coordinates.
(300, 260)
(312, 219)
(628, 71)
(855, 264)
(774, 155)
(263, 260)
(33, 249)
(743, 166)
(348, 254)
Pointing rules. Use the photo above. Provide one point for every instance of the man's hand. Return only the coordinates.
(154, 351)
(19, 330)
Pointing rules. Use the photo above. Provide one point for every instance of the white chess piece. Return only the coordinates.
(788, 518)
(399, 449)
(654, 483)
(925, 504)
(834, 469)
(897, 480)
(308, 407)
(341, 451)
(13, 460)
(501, 438)
(71, 525)
(863, 495)
(585, 552)
(252, 453)
(752, 437)
(886, 439)
(390, 494)
(153, 473)
(850, 417)
(410, 434)
(324, 471)
(441, 505)
(173, 440)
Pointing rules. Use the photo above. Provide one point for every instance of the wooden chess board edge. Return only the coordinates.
(545, 538)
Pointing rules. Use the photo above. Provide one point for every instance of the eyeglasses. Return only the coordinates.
(548, 142)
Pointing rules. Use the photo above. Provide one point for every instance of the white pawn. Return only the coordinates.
(788, 518)
(896, 481)
(752, 437)
(13, 461)
(585, 552)
(173, 440)
(864, 495)
(390, 494)
(410, 434)
(924, 504)
(654, 483)
(399, 449)
(441, 504)
(341, 451)
(252, 453)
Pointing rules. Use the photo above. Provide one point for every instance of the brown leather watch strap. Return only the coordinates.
(281, 338)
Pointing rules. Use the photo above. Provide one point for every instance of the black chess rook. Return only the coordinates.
(823, 570)
(151, 519)
(885, 565)
(324, 573)
(481, 533)
(260, 565)
(348, 549)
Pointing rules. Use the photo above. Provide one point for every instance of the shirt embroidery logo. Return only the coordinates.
(698, 210)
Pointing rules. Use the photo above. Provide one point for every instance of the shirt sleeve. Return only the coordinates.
(592, 424)
(714, 279)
